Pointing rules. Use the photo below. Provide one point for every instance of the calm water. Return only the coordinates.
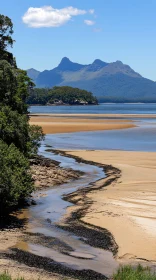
(99, 109)
(44, 217)
(141, 138)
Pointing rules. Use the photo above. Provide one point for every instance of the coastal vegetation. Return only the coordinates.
(123, 273)
(18, 140)
(129, 273)
(61, 96)
(6, 276)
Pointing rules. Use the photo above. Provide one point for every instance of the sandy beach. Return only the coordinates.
(118, 116)
(63, 124)
(126, 208)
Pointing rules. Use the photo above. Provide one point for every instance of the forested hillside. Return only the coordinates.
(18, 140)
(109, 82)
(61, 96)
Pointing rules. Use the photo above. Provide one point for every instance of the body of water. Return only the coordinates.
(141, 138)
(97, 109)
(45, 217)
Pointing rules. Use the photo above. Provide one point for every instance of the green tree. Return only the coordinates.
(8, 84)
(65, 94)
(24, 88)
(18, 140)
(15, 177)
(6, 31)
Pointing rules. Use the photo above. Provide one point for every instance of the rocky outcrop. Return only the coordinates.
(48, 173)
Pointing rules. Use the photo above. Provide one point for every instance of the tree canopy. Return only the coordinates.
(61, 95)
(6, 31)
(18, 140)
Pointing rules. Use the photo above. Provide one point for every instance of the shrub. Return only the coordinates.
(6, 276)
(15, 178)
(129, 273)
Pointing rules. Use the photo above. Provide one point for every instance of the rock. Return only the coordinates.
(47, 173)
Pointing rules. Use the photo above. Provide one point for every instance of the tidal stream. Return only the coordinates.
(45, 217)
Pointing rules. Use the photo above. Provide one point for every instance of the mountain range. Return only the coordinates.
(109, 82)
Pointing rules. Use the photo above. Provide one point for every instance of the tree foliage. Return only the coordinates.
(61, 95)
(6, 31)
(15, 177)
(18, 140)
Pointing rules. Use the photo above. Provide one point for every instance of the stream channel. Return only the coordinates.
(45, 217)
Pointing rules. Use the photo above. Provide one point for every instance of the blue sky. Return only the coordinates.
(83, 31)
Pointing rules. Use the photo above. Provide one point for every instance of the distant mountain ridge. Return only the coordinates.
(109, 82)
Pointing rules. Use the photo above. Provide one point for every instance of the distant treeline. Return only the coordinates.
(61, 96)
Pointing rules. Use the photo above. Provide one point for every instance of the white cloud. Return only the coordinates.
(91, 11)
(89, 22)
(47, 16)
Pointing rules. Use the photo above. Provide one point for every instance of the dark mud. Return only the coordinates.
(40, 160)
(91, 235)
(47, 241)
(11, 222)
(49, 265)
(94, 236)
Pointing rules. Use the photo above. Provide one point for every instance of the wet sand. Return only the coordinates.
(148, 116)
(52, 124)
(127, 207)
(46, 173)
(8, 239)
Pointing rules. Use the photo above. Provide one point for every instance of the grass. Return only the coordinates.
(6, 276)
(129, 273)
(123, 273)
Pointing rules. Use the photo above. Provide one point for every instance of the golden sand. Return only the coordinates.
(52, 124)
(127, 208)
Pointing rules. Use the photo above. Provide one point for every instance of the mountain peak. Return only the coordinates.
(32, 69)
(119, 62)
(65, 60)
(110, 82)
(67, 65)
(98, 61)
(97, 65)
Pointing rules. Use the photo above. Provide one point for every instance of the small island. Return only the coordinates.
(64, 95)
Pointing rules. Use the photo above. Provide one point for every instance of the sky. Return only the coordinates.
(84, 30)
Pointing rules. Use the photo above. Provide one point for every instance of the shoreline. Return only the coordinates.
(86, 231)
(81, 205)
(22, 261)
(65, 124)
(77, 221)
(117, 115)
(47, 173)
(128, 205)
(12, 228)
